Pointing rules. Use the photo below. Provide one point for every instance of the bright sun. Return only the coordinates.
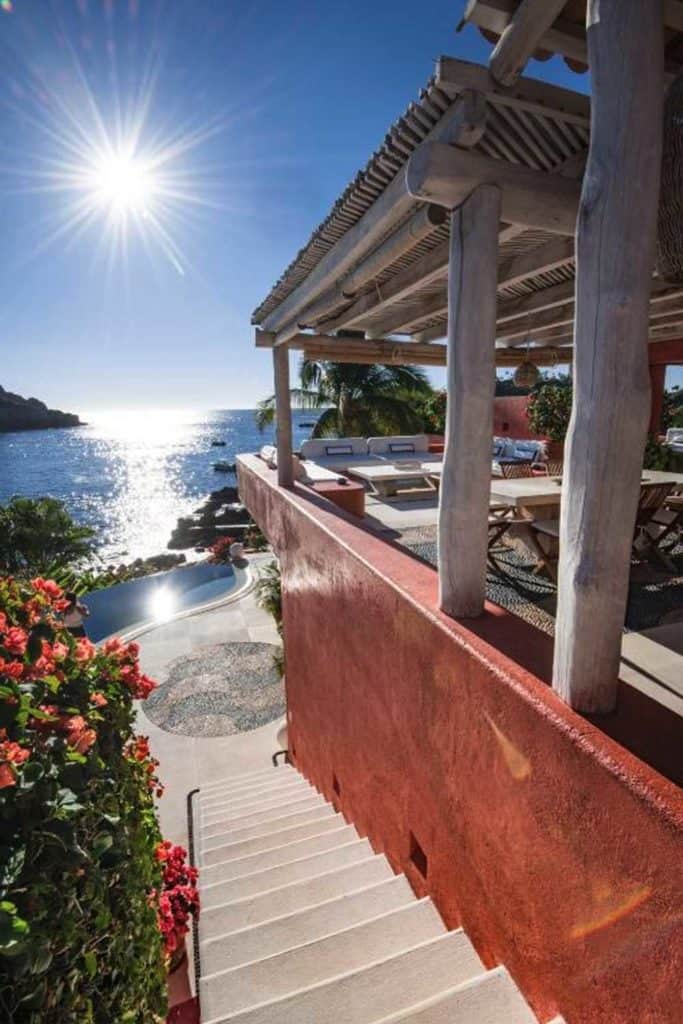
(123, 184)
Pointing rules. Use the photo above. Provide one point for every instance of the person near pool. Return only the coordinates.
(74, 613)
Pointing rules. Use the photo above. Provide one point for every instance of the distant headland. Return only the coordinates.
(17, 413)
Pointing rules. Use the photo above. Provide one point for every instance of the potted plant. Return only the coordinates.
(549, 411)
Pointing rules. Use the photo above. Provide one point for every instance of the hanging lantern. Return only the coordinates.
(526, 374)
(670, 215)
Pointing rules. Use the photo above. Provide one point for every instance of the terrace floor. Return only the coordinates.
(653, 641)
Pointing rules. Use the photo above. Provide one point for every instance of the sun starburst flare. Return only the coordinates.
(115, 170)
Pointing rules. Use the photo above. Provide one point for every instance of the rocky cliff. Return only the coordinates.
(17, 413)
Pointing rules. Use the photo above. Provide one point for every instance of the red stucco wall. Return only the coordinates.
(557, 850)
(510, 418)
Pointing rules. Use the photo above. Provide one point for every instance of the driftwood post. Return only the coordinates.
(615, 255)
(283, 416)
(466, 477)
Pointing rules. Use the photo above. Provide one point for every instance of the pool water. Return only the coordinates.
(155, 598)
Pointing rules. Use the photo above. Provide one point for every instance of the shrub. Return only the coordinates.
(79, 877)
(255, 540)
(269, 592)
(37, 533)
(431, 409)
(220, 550)
(550, 408)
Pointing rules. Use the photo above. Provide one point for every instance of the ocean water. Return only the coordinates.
(130, 475)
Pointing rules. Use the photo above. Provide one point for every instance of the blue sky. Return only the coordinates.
(273, 107)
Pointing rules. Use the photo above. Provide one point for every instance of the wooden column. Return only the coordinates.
(615, 255)
(657, 379)
(466, 477)
(283, 414)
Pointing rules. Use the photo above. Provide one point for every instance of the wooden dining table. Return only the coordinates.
(539, 496)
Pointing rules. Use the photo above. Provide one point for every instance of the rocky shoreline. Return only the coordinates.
(17, 413)
(221, 515)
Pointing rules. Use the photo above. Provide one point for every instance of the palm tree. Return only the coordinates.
(359, 399)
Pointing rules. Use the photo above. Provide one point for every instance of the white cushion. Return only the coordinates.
(269, 455)
(398, 446)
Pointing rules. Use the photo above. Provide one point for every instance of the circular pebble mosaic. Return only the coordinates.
(220, 690)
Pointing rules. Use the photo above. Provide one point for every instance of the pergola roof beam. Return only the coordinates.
(528, 24)
(444, 175)
(454, 75)
(388, 210)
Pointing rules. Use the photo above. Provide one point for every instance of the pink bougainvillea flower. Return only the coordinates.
(113, 645)
(7, 776)
(85, 650)
(15, 640)
(59, 650)
(3, 622)
(99, 700)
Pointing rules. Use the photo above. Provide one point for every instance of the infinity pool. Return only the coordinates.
(155, 598)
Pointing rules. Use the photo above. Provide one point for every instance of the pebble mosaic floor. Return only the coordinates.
(220, 690)
(655, 596)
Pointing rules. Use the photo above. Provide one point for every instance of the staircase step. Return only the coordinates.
(281, 792)
(226, 850)
(368, 994)
(490, 998)
(277, 781)
(225, 870)
(289, 898)
(305, 926)
(308, 866)
(246, 778)
(277, 976)
(234, 835)
(240, 817)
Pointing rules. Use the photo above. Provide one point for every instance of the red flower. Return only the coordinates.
(85, 650)
(13, 669)
(15, 640)
(99, 700)
(10, 754)
(48, 587)
(3, 622)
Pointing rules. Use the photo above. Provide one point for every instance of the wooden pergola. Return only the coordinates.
(515, 220)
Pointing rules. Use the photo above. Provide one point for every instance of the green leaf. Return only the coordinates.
(90, 961)
(103, 842)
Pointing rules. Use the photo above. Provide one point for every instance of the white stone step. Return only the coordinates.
(240, 817)
(289, 898)
(245, 778)
(226, 850)
(304, 926)
(373, 992)
(490, 998)
(252, 789)
(277, 976)
(239, 866)
(307, 866)
(279, 824)
(281, 792)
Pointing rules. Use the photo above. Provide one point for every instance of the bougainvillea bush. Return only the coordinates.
(178, 899)
(80, 876)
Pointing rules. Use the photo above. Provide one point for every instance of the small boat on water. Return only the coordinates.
(224, 467)
(307, 423)
(218, 444)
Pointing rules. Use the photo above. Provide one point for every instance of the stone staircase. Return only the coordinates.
(302, 923)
